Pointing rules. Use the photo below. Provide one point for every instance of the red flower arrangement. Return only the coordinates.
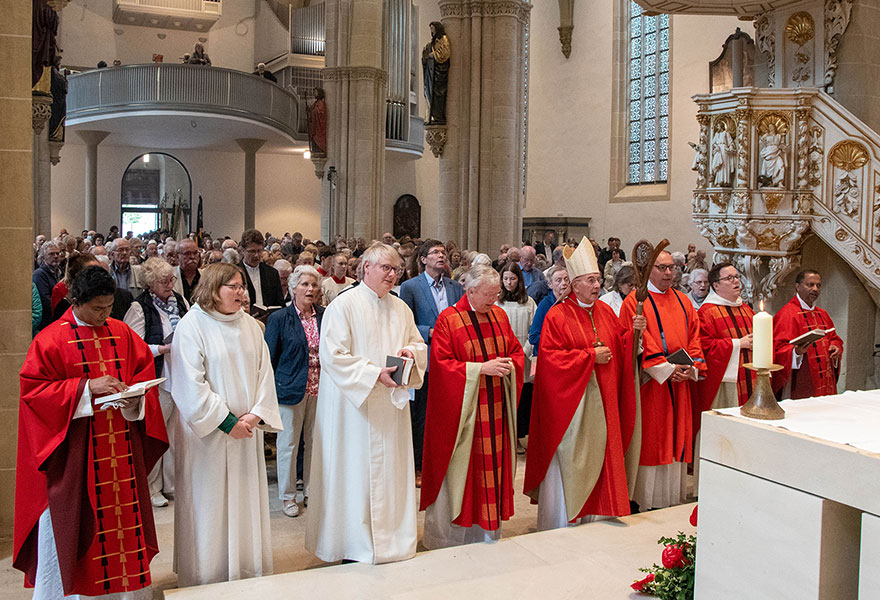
(675, 579)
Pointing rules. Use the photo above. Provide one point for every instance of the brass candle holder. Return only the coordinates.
(762, 404)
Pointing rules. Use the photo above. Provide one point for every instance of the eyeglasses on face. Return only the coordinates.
(387, 269)
(235, 287)
(667, 268)
(730, 278)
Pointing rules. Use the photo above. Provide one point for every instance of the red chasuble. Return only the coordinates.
(719, 326)
(463, 336)
(567, 363)
(667, 425)
(817, 376)
(90, 471)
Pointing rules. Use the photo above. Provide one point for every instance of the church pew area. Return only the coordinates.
(596, 560)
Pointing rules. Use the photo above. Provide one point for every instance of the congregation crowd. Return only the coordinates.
(398, 374)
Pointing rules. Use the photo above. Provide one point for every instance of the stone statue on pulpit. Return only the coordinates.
(773, 161)
(435, 64)
(723, 157)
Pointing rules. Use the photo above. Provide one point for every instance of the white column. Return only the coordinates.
(92, 139)
(250, 147)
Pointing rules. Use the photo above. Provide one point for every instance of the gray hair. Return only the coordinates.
(479, 274)
(703, 271)
(45, 248)
(378, 251)
(554, 270)
(282, 265)
(678, 258)
(481, 259)
(230, 255)
(153, 270)
(299, 272)
(104, 260)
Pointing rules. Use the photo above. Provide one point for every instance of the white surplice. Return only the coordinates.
(362, 504)
(221, 516)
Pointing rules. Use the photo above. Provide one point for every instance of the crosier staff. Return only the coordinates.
(644, 256)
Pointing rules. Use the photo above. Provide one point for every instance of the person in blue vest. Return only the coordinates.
(154, 315)
(427, 295)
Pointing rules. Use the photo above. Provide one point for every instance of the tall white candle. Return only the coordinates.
(762, 339)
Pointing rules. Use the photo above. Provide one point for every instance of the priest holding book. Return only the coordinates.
(809, 368)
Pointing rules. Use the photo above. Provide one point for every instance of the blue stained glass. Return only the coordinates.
(635, 27)
(664, 83)
(635, 47)
(664, 149)
(664, 126)
(635, 131)
(634, 173)
(664, 104)
(634, 153)
(663, 170)
(664, 39)
(650, 147)
(664, 61)
(635, 110)
(650, 24)
(650, 43)
(650, 86)
(651, 63)
(635, 89)
(650, 129)
(635, 68)
(649, 173)
(634, 9)
(650, 108)
(664, 21)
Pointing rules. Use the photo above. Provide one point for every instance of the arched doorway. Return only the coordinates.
(156, 195)
(407, 217)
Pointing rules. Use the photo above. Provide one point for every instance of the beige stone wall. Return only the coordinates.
(16, 166)
(857, 85)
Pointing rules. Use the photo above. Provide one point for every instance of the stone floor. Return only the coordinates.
(288, 536)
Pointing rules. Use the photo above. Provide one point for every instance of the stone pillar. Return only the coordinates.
(481, 169)
(250, 147)
(42, 185)
(355, 86)
(92, 139)
(16, 228)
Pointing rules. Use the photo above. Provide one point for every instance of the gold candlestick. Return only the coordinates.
(762, 404)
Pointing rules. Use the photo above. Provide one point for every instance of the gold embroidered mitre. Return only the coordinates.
(581, 260)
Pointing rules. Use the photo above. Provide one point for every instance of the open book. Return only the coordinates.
(680, 357)
(136, 389)
(810, 336)
(404, 367)
(258, 311)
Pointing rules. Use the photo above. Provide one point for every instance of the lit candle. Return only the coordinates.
(762, 339)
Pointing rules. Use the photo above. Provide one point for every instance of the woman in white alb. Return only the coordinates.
(224, 389)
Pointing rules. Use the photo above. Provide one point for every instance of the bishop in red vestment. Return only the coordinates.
(667, 422)
(583, 422)
(476, 370)
(726, 337)
(808, 370)
(87, 466)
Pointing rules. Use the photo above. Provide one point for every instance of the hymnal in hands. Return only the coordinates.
(404, 366)
(680, 357)
(810, 336)
(137, 389)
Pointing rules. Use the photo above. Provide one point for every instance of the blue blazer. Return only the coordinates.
(416, 292)
(289, 350)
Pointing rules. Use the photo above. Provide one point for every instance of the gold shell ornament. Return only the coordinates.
(848, 155)
(800, 28)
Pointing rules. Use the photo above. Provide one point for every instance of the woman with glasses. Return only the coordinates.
(154, 316)
(224, 390)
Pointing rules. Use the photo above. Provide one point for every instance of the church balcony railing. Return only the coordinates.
(774, 166)
(184, 15)
(172, 88)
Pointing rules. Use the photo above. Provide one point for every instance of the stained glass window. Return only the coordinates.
(648, 96)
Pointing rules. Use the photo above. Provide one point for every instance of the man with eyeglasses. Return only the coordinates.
(427, 296)
(363, 498)
(46, 276)
(187, 271)
(667, 422)
(263, 282)
(810, 369)
(726, 338)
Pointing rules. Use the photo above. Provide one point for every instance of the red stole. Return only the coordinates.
(564, 370)
(462, 335)
(667, 424)
(719, 326)
(817, 376)
(90, 471)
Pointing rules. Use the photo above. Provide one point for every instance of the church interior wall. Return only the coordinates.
(856, 84)
(849, 305)
(271, 37)
(569, 162)
(287, 191)
(87, 34)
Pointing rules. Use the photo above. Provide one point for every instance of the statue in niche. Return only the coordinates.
(723, 155)
(435, 64)
(317, 117)
(44, 43)
(846, 194)
(59, 102)
(772, 172)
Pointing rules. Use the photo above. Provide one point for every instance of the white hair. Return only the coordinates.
(45, 248)
(678, 258)
(104, 260)
(378, 251)
(299, 272)
(153, 270)
(695, 271)
(230, 255)
(283, 265)
(479, 274)
(481, 259)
